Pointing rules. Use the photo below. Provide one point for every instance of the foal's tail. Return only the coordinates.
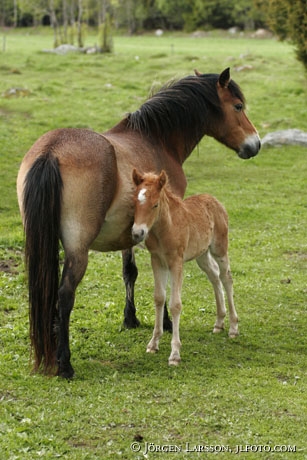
(42, 212)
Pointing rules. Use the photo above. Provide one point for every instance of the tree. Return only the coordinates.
(174, 12)
(288, 19)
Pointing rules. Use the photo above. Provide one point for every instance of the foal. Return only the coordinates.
(176, 231)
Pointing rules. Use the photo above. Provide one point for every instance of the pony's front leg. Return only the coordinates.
(160, 277)
(130, 273)
(175, 308)
(73, 271)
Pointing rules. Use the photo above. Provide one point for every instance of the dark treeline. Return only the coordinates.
(286, 18)
(136, 15)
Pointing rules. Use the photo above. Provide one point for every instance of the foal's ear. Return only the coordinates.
(162, 179)
(224, 78)
(197, 73)
(137, 177)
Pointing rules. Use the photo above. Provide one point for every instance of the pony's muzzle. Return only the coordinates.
(139, 232)
(250, 147)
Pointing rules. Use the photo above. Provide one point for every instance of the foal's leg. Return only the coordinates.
(160, 277)
(175, 307)
(211, 268)
(73, 271)
(226, 278)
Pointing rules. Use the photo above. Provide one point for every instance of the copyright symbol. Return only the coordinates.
(135, 447)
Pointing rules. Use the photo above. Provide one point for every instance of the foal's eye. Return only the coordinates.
(155, 205)
(238, 107)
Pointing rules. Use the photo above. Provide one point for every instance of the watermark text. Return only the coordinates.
(150, 447)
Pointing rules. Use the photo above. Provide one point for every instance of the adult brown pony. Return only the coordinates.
(75, 185)
(176, 231)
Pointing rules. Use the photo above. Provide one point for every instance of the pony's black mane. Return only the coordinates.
(182, 106)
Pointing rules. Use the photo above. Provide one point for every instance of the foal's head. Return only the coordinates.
(147, 202)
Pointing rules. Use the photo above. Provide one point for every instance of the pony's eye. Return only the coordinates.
(238, 107)
(155, 205)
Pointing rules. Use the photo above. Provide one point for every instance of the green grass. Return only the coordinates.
(246, 391)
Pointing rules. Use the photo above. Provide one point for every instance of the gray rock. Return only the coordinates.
(285, 137)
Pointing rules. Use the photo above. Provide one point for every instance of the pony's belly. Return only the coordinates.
(115, 235)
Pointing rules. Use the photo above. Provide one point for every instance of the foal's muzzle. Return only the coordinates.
(139, 232)
(250, 147)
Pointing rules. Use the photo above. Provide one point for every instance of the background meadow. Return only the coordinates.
(247, 391)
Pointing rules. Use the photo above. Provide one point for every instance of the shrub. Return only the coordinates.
(288, 19)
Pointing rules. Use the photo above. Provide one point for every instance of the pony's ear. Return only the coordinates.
(198, 74)
(162, 179)
(224, 78)
(137, 177)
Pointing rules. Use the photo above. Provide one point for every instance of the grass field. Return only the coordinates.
(123, 403)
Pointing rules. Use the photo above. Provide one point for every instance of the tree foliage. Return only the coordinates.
(288, 19)
(133, 15)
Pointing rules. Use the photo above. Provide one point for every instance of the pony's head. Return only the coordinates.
(183, 111)
(146, 202)
(237, 132)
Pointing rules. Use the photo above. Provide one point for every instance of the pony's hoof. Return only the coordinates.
(131, 323)
(167, 325)
(66, 373)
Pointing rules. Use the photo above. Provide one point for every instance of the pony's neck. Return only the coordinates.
(179, 148)
(175, 119)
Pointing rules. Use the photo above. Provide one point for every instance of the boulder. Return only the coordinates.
(285, 137)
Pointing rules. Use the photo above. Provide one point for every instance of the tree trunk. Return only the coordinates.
(80, 11)
(54, 23)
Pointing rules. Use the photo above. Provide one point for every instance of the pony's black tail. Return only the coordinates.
(42, 213)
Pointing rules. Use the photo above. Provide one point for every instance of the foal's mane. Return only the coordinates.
(166, 194)
(181, 106)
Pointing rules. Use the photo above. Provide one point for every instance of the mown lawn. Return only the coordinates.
(248, 392)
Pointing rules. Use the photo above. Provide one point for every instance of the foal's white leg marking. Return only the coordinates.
(160, 276)
(211, 268)
(175, 308)
(226, 278)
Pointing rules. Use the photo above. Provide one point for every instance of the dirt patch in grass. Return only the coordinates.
(9, 266)
(9, 263)
(300, 255)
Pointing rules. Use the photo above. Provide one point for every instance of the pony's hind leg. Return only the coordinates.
(73, 271)
(130, 273)
(211, 268)
(226, 278)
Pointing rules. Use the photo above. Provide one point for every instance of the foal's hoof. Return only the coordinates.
(152, 350)
(174, 361)
(218, 329)
(233, 334)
